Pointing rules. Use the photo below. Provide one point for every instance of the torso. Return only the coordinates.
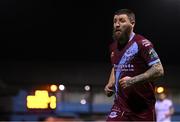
(128, 61)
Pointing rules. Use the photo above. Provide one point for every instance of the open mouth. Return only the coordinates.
(118, 30)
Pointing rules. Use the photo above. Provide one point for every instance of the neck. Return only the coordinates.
(125, 38)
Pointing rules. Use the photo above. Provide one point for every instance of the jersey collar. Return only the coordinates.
(131, 36)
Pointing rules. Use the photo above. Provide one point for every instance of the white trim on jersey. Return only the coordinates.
(153, 62)
(131, 36)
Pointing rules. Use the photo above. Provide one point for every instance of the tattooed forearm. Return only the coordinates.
(155, 72)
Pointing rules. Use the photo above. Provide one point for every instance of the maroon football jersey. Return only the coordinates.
(136, 57)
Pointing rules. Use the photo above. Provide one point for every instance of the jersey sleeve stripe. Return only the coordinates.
(153, 62)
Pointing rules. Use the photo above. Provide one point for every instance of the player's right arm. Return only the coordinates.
(110, 85)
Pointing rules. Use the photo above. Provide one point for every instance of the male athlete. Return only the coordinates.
(164, 108)
(136, 66)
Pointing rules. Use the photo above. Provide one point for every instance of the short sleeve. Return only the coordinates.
(148, 52)
(170, 103)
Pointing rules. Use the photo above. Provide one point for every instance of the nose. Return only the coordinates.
(117, 24)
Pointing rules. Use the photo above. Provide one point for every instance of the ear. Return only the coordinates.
(133, 23)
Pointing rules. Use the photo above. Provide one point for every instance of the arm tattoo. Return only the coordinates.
(153, 73)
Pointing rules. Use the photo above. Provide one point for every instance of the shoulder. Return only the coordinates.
(168, 101)
(142, 42)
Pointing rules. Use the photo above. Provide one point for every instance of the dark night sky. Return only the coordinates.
(65, 30)
(56, 30)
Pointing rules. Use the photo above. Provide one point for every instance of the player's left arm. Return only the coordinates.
(155, 70)
(153, 73)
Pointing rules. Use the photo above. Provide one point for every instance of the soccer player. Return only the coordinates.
(164, 108)
(136, 66)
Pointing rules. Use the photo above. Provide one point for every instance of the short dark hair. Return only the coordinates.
(128, 12)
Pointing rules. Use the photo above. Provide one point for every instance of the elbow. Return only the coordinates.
(161, 72)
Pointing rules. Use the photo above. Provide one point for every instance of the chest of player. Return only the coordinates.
(124, 61)
(125, 55)
(128, 59)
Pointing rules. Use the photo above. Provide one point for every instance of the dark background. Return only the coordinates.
(49, 41)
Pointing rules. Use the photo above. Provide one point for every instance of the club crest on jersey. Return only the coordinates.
(129, 53)
(113, 114)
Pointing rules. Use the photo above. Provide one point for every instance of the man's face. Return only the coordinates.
(122, 26)
(162, 96)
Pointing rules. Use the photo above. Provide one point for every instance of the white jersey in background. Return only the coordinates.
(162, 108)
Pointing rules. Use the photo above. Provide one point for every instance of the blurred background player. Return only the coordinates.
(136, 66)
(164, 108)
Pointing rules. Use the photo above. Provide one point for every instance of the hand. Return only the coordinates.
(109, 90)
(125, 82)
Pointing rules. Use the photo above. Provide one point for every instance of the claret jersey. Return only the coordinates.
(133, 59)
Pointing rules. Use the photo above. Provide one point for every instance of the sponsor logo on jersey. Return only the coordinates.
(124, 67)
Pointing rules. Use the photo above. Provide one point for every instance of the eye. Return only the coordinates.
(122, 20)
(115, 20)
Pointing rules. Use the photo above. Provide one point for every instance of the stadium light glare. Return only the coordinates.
(41, 100)
(52, 102)
(87, 88)
(160, 89)
(83, 101)
(53, 88)
(61, 87)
